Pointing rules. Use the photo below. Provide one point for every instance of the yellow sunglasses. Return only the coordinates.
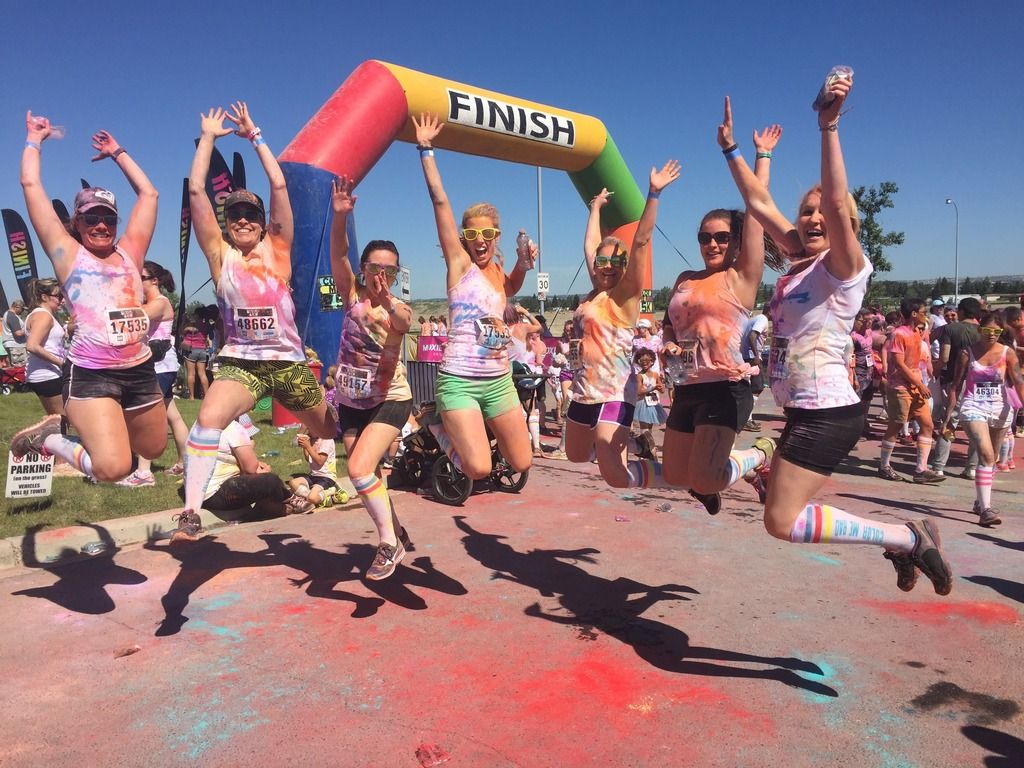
(487, 233)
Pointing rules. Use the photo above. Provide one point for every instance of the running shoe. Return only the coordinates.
(296, 505)
(31, 439)
(712, 501)
(906, 572)
(1003, 466)
(138, 479)
(177, 470)
(988, 517)
(403, 535)
(927, 556)
(968, 474)
(888, 473)
(759, 481)
(766, 446)
(928, 476)
(558, 455)
(752, 426)
(189, 527)
(387, 559)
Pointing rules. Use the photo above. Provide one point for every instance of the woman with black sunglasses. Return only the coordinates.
(474, 389)
(373, 396)
(703, 328)
(251, 265)
(604, 388)
(812, 310)
(44, 343)
(110, 392)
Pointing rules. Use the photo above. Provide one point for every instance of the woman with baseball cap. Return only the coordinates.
(110, 391)
(250, 262)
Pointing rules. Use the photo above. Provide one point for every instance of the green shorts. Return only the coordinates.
(292, 384)
(492, 397)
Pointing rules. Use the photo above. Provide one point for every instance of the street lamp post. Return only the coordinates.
(956, 250)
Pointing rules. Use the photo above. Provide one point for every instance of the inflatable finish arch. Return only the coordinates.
(372, 109)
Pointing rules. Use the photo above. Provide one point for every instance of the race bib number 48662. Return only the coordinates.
(256, 323)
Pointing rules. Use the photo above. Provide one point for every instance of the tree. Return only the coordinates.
(873, 239)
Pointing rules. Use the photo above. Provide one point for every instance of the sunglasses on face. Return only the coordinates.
(375, 269)
(239, 212)
(487, 233)
(610, 261)
(991, 333)
(722, 238)
(92, 219)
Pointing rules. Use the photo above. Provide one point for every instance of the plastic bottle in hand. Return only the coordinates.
(824, 98)
(56, 131)
(674, 369)
(523, 246)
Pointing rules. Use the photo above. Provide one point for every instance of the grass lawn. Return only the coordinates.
(75, 499)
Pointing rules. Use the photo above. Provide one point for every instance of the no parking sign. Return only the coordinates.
(28, 476)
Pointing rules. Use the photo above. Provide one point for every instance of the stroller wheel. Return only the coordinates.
(448, 484)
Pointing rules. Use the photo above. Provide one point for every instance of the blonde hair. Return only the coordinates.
(482, 209)
(851, 206)
(620, 247)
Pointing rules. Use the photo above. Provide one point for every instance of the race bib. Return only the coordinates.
(126, 325)
(688, 357)
(575, 355)
(777, 369)
(492, 333)
(989, 391)
(256, 323)
(354, 382)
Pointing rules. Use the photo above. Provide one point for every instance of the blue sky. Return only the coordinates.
(936, 107)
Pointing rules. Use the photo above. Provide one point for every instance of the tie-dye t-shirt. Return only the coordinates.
(370, 370)
(603, 358)
(812, 315)
(105, 297)
(708, 321)
(478, 338)
(256, 307)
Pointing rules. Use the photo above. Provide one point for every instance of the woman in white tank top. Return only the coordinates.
(45, 344)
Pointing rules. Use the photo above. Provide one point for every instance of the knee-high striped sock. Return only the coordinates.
(1005, 450)
(887, 448)
(200, 461)
(445, 442)
(374, 496)
(822, 524)
(983, 486)
(644, 473)
(72, 451)
(741, 462)
(924, 448)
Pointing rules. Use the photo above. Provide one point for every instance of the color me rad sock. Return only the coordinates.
(445, 442)
(374, 496)
(741, 462)
(200, 461)
(983, 486)
(644, 473)
(72, 451)
(822, 524)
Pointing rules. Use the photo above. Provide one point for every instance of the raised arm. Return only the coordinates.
(631, 284)
(56, 241)
(280, 225)
(455, 256)
(845, 257)
(756, 198)
(524, 263)
(204, 220)
(138, 232)
(343, 202)
(592, 237)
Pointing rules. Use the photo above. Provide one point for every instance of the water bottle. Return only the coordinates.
(523, 246)
(674, 369)
(824, 98)
(56, 131)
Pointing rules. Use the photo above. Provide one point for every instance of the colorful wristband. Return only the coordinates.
(653, 194)
(118, 152)
(764, 155)
(733, 153)
(258, 142)
(426, 151)
(730, 148)
(254, 133)
(35, 145)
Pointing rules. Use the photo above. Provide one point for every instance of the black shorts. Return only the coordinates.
(132, 388)
(716, 403)
(820, 439)
(48, 388)
(166, 382)
(756, 382)
(394, 413)
(324, 482)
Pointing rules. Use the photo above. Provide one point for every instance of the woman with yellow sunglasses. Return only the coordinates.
(604, 388)
(474, 388)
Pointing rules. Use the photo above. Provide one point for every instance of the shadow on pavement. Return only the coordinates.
(1009, 749)
(1017, 545)
(914, 507)
(1011, 589)
(203, 560)
(81, 585)
(595, 603)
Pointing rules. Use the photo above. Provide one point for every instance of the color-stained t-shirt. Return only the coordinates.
(907, 342)
(478, 338)
(370, 369)
(602, 353)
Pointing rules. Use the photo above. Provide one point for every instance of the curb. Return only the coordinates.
(61, 546)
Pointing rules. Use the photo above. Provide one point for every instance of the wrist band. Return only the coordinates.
(653, 194)
(258, 142)
(254, 133)
(35, 145)
(764, 155)
(733, 153)
(730, 148)
(833, 127)
(117, 153)
(426, 151)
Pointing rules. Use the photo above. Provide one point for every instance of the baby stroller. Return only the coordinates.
(421, 463)
(12, 379)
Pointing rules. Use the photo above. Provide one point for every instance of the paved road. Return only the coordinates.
(569, 625)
